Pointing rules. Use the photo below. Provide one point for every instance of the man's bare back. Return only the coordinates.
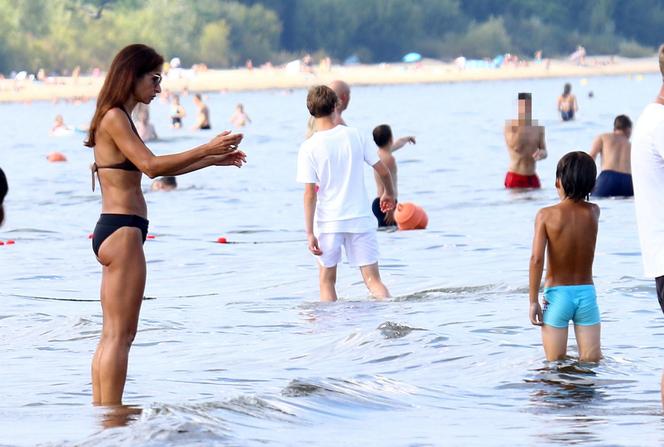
(570, 229)
(525, 145)
(615, 150)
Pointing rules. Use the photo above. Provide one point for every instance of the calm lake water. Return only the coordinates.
(235, 349)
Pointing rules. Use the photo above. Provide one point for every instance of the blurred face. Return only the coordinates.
(148, 86)
(525, 108)
(628, 132)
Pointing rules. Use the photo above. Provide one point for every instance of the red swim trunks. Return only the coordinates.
(513, 180)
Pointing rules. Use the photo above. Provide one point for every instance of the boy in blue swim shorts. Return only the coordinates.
(567, 233)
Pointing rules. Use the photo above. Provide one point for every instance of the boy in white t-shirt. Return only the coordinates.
(333, 160)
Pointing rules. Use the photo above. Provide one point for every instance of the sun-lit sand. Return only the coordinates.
(381, 74)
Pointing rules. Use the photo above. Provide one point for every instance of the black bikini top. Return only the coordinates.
(126, 165)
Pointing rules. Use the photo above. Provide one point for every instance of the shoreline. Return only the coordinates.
(427, 72)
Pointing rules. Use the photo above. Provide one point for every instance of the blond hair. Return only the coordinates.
(661, 59)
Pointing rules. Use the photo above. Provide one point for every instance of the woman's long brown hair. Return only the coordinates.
(3, 192)
(128, 66)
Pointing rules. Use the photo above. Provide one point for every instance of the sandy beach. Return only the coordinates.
(427, 72)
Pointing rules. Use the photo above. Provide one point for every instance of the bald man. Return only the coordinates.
(342, 89)
(343, 93)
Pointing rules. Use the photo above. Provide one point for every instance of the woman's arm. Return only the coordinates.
(117, 125)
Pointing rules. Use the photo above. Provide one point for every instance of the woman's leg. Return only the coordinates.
(123, 284)
(555, 342)
(588, 340)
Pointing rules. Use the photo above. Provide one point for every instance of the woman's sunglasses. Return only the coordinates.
(156, 79)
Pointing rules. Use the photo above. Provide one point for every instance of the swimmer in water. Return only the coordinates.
(177, 112)
(167, 183)
(525, 146)
(59, 126)
(567, 105)
(203, 117)
(615, 180)
(121, 158)
(240, 117)
(567, 233)
(382, 136)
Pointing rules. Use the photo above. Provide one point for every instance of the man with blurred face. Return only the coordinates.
(525, 146)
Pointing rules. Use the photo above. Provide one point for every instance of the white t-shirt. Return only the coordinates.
(334, 159)
(648, 179)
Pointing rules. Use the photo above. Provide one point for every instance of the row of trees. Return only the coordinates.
(61, 34)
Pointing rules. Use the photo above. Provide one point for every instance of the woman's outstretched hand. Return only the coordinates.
(235, 158)
(224, 143)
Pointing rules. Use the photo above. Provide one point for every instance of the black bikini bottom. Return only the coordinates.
(108, 223)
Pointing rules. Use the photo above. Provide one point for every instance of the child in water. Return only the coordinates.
(567, 232)
(382, 136)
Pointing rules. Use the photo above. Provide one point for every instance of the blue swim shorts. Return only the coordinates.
(576, 303)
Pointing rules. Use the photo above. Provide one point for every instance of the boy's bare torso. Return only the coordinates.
(571, 233)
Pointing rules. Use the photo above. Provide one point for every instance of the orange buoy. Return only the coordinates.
(56, 157)
(410, 216)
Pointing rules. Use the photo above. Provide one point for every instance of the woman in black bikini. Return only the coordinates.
(121, 158)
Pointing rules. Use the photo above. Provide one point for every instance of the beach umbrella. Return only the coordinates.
(412, 57)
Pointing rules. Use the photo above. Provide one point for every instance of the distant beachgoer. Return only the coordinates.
(167, 183)
(145, 128)
(240, 117)
(648, 176)
(177, 112)
(567, 233)
(567, 104)
(4, 188)
(579, 56)
(59, 127)
(615, 180)
(342, 90)
(203, 117)
(382, 136)
(525, 146)
(333, 158)
(121, 158)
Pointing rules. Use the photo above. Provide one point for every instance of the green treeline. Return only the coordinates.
(61, 34)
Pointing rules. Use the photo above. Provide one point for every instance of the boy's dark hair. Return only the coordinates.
(576, 172)
(321, 101)
(382, 135)
(622, 122)
(525, 96)
(3, 192)
(169, 180)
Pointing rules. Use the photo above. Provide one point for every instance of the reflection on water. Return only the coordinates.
(234, 347)
(119, 415)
